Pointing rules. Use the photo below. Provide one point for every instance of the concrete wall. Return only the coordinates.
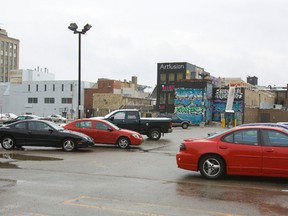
(273, 115)
(251, 115)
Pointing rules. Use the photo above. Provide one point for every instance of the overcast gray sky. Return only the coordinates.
(228, 38)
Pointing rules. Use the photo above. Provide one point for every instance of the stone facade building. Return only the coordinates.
(9, 55)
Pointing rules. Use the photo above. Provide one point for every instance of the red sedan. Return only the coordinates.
(105, 132)
(247, 150)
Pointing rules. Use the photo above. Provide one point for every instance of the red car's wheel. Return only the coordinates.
(212, 167)
(123, 142)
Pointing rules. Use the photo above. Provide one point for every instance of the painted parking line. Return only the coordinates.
(29, 214)
(136, 208)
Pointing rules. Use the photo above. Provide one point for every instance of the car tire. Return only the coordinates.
(123, 142)
(212, 167)
(154, 134)
(185, 125)
(68, 145)
(8, 143)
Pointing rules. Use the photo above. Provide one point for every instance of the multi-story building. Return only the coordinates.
(42, 98)
(184, 89)
(109, 95)
(9, 55)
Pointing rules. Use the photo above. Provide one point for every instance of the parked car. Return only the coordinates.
(130, 119)
(21, 117)
(104, 132)
(283, 123)
(177, 121)
(266, 124)
(57, 118)
(247, 150)
(35, 132)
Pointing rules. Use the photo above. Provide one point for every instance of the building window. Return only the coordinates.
(49, 100)
(171, 77)
(37, 87)
(66, 100)
(62, 86)
(163, 78)
(29, 87)
(45, 87)
(33, 100)
(108, 85)
(71, 87)
(170, 98)
(162, 98)
(53, 87)
(179, 76)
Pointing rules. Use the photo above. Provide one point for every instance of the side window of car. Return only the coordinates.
(101, 126)
(249, 137)
(119, 116)
(84, 124)
(131, 116)
(229, 138)
(175, 118)
(38, 126)
(275, 138)
(246, 137)
(21, 126)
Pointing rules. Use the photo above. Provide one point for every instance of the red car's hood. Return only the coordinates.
(128, 131)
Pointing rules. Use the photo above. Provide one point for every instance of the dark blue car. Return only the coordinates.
(177, 121)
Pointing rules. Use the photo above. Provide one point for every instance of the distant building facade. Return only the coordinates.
(108, 95)
(42, 98)
(9, 55)
(19, 76)
(184, 89)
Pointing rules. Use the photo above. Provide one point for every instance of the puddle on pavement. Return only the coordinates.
(267, 201)
(22, 157)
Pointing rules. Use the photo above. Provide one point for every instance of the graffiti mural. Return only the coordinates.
(220, 100)
(222, 93)
(188, 105)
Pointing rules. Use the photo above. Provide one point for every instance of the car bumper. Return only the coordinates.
(186, 161)
(85, 144)
(136, 142)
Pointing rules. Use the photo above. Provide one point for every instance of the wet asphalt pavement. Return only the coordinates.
(144, 180)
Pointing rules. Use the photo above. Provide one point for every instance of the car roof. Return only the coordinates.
(265, 124)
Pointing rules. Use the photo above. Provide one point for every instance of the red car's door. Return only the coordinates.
(242, 152)
(275, 153)
(103, 133)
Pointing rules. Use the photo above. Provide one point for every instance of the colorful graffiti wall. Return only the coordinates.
(188, 105)
(219, 103)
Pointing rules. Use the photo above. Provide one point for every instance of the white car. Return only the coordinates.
(57, 118)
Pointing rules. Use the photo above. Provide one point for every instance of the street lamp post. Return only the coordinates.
(73, 27)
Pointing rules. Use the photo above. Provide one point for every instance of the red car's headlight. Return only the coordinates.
(137, 136)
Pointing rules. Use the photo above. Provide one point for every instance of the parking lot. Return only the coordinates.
(144, 180)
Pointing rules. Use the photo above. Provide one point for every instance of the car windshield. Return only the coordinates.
(55, 126)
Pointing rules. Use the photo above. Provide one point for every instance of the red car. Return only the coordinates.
(246, 150)
(105, 132)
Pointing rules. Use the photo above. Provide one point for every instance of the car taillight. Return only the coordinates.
(170, 125)
(182, 147)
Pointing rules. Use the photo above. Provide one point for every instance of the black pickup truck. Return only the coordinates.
(130, 119)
